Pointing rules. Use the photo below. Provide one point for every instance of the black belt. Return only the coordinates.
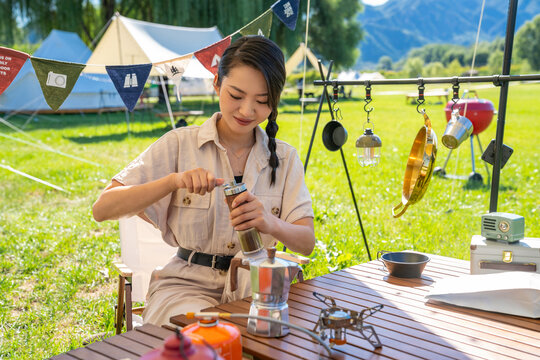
(213, 261)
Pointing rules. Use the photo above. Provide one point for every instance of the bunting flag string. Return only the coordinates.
(57, 78)
(174, 70)
(287, 12)
(11, 62)
(210, 56)
(129, 81)
(259, 26)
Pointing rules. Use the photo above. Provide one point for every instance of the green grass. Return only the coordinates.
(58, 286)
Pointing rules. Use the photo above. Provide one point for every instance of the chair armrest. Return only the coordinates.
(123, 270)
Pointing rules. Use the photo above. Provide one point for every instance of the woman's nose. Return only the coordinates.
(247, 108)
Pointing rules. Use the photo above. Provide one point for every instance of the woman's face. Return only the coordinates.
(243, 99)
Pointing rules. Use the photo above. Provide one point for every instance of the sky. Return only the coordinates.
(374, 2)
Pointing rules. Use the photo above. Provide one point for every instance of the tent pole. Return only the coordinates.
(166, 93)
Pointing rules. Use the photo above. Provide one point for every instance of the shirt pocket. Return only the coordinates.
(191, 213)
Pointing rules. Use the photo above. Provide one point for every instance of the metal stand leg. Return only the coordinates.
(323, 96)
(474, 176)
(441, 171)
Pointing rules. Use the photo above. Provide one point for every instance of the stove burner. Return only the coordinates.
(338, 319)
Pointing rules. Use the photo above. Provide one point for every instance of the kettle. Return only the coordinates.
(271, 279)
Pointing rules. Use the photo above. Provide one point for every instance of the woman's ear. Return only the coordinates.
(216, 87)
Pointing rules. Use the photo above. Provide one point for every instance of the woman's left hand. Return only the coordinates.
(249, 212)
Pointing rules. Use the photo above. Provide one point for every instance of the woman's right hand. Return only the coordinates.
(197, 181)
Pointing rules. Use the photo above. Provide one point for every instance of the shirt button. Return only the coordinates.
(275, 211)
(186, 201)
(231, 245)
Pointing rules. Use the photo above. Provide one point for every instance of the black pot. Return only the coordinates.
(334, 135)
(403, 264)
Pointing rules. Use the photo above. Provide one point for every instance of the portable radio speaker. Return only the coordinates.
(503, 226)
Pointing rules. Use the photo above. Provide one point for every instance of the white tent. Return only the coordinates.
(127, 41)
(90, 93)
(298, 56)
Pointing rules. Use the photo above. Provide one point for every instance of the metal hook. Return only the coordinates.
(421, 98)
(455, 92)
(368, 99)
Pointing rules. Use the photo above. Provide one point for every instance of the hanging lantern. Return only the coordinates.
(368, 148)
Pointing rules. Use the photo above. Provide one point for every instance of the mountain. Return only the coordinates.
(399, 25)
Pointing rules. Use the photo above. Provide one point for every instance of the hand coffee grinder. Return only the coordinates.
(271, 279)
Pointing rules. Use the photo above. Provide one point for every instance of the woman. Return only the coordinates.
(172, 185)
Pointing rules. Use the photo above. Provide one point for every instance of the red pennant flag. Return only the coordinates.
(210, 56)
(11, 61)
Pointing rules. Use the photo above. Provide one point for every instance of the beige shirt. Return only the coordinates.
(190, 220)
(201, 223)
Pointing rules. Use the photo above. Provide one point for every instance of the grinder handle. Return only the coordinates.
(235, 264)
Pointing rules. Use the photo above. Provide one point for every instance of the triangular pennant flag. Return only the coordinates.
(286, 11)
(11, 61)
(174, 69)
(56, 78)
(260, 26)
(210, 56)
(129, 81)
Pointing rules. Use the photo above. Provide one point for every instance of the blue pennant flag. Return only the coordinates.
(286, 11)
(129, 81)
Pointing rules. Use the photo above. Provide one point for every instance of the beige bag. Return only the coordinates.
(514, 293)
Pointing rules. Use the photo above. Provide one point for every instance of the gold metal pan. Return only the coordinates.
(419, 167)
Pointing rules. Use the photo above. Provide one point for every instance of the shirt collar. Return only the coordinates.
(208, 132)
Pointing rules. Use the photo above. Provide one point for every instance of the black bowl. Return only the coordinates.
(404, 264)
(334, 135)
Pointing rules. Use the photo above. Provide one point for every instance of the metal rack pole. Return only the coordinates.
(507, 60)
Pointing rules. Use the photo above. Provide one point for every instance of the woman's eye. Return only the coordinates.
(235, 97)
(263, 102)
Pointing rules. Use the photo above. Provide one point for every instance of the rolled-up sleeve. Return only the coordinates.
(296, 199)
(157, 161)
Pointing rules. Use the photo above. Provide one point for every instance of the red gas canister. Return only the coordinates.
(179, 347)
(479, 112)
(224, 337)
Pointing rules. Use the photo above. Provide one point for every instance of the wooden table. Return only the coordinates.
(130, 345)
(408, 327)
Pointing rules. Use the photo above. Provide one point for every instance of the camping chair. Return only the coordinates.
(142, 250)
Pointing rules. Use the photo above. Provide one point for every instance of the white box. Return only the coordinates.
(490, 256)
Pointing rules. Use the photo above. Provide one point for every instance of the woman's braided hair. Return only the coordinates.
(264, 55)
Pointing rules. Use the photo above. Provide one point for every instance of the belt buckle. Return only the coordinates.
(214, 261)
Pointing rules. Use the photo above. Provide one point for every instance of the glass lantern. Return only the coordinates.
(368, 148)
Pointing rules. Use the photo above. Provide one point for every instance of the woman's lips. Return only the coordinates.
(242, 122)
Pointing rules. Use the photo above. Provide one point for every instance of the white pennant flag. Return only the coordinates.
(174, 70)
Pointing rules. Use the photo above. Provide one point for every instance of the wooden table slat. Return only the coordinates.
(115, 352)
(155, 331)
(63, 357)
(87, 354)
(126, 343)
(143, 338)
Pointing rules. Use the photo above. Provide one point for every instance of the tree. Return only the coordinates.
(527, 43)
(495, 62)
(434, 69)
(334, 30)
(385, 63)
(413, 67)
